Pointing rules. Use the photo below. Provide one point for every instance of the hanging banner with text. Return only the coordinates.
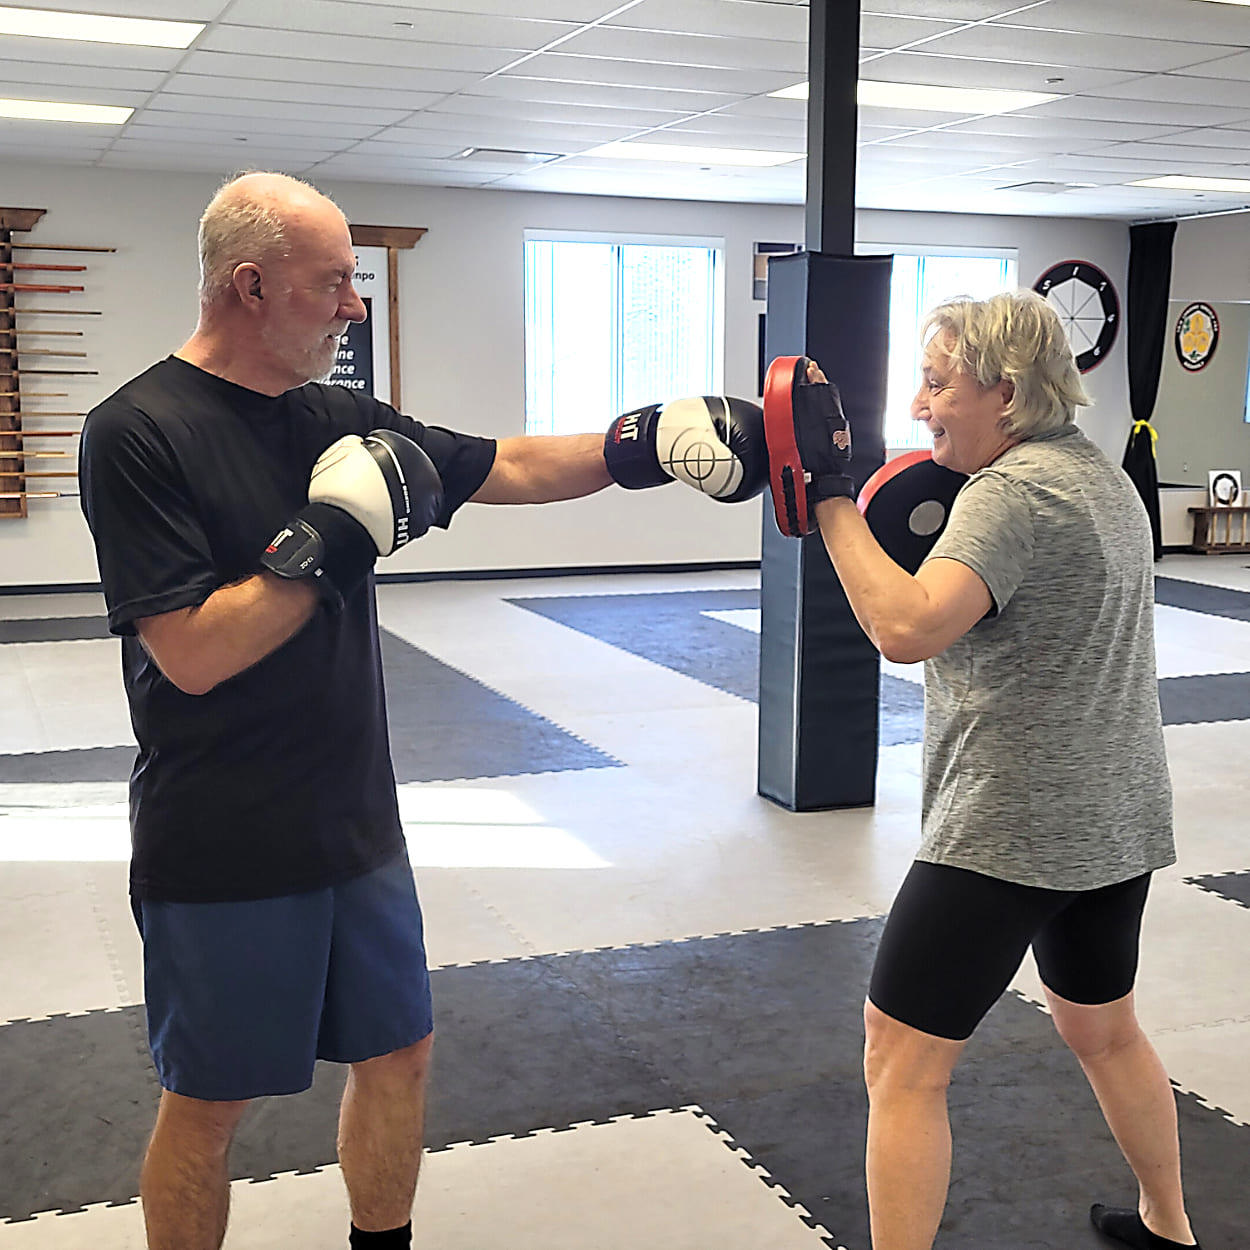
(363, 362)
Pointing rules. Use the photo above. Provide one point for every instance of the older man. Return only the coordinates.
(238, 508)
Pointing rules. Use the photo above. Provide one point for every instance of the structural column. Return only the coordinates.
(819, 674)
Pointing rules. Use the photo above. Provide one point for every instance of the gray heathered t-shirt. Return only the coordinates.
(1044, 761)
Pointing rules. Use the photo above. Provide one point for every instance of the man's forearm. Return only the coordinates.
(234, 628)
(545, 468)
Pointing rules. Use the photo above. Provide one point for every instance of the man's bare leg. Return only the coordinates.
(381, 1123)
(185, 1183)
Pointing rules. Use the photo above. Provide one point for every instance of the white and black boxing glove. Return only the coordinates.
(713, 443)
(367, 497)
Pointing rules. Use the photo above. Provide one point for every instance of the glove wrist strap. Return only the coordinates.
(325, 543)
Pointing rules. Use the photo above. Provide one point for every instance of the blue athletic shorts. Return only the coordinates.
(243, 998)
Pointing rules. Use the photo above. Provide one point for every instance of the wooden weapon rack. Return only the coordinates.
(27, 450)
(393, 238)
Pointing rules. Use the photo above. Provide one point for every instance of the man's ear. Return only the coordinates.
(248, 283)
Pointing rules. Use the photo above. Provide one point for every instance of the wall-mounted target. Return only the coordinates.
(1087, 304)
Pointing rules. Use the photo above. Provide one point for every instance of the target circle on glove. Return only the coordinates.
(907, 503)
(701, 462)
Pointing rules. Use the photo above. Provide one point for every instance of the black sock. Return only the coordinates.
(390, 1239)
(1124, 1224)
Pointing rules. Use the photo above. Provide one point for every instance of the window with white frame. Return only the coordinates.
(612, 324)
(923, 278)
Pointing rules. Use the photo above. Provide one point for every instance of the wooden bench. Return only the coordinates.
(1207, 527)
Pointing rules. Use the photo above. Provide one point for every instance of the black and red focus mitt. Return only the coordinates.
(809, 444)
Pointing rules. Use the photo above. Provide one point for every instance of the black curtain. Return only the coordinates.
(1149, 279)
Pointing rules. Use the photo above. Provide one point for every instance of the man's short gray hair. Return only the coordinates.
(245, 221)
(1014, 337)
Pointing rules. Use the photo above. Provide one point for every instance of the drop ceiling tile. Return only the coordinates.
(1177, 153)
(1121, 51)
(729, 123)
(989, 146)
(394, 144)
(515, 87)
(735, 19)
(949, 71)
(224, 143)
(553, 112)
(76, 52)
(12, 90)
(398, 51)
(690, 50)
(945, 10)
(1028, 125)
(562, 67)
(328, 74)
(545, 10)
(197, 123)
(1172, 20)
(41, 80)
(1216, 137)
(46, 137)
(890, 33)
(191, 162)
(767, 106)
(499, 133)
(1183, 89)
(1101, 107)
(276, 110)
(906, 119)
(1236, 67)
(295, 92)
(342, 17)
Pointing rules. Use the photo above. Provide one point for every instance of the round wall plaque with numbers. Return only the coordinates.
(1085, 299)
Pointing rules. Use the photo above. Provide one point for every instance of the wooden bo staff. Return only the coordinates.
(69, 334)
(56, 312)
(22, 264)
(61, 373)
(39, 494)
(33, 455)
(28, 413)
(27, 286)
(24, 434)
(33, 395)
(40, 473)
(57, 247)
(37, 351)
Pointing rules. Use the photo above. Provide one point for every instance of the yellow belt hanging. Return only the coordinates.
(1138, 426)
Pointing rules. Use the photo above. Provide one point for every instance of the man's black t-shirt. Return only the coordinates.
(279, 779)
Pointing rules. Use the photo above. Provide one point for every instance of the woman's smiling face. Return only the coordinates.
(964, 418)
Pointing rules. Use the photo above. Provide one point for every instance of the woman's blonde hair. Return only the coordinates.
(1014, 337)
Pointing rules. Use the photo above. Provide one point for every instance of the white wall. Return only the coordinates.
(1200, 417)
(462, 356)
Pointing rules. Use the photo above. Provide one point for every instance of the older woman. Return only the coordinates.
(1047, 803)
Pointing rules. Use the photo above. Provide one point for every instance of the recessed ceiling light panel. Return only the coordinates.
(55, 111)
(97, 28)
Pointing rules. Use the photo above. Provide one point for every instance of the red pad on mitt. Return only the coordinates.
(785, 465)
